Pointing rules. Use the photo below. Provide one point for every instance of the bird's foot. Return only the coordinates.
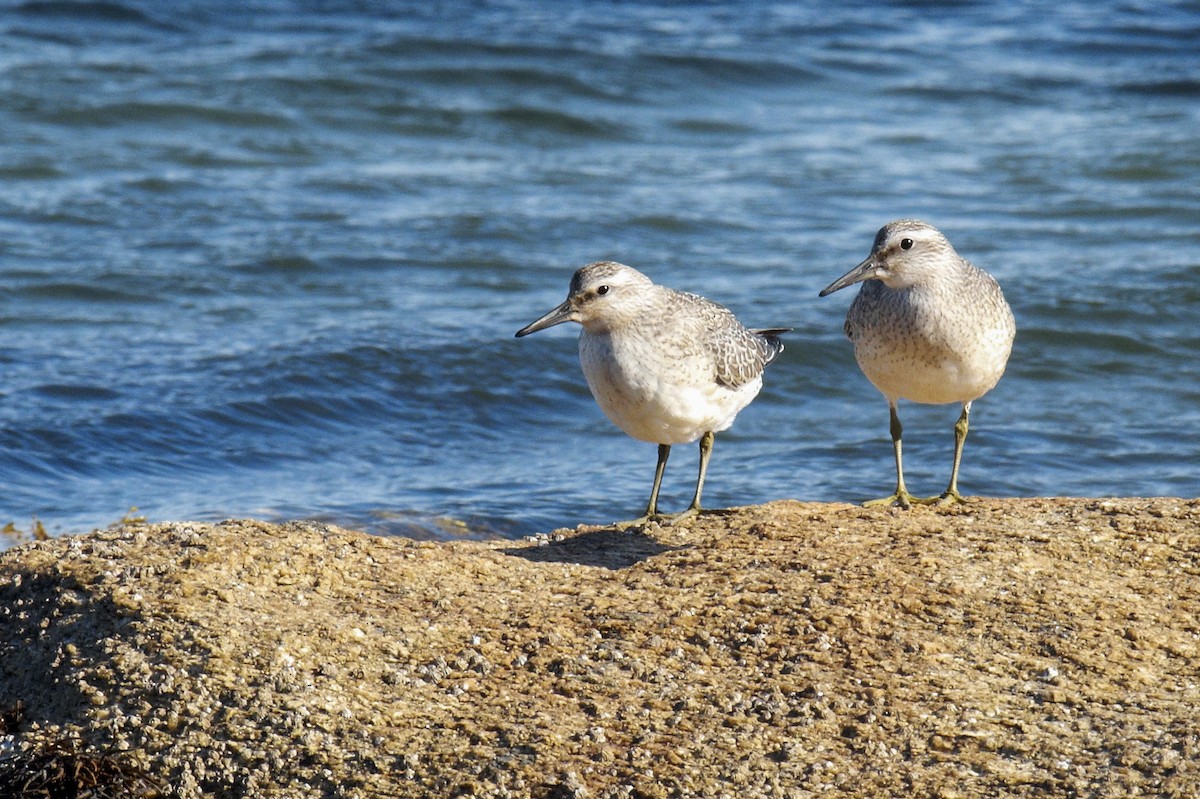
(676, 518)
(645, 519)
(665, 519)
(948, 497)
(901, 499)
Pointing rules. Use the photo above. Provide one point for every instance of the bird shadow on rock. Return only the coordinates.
(609, 548)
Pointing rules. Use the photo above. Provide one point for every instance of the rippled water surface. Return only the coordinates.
(259, 260)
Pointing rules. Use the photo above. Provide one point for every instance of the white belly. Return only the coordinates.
(934, 375)
(658, 399)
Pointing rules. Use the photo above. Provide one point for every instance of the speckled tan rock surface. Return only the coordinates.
(1042, 647)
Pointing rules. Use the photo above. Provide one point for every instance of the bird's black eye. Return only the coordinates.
(906, 244)
(602, 290)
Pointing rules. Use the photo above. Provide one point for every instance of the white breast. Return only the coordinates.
(656, 397)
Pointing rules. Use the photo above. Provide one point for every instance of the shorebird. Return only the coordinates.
(928, 326)
(665, 366)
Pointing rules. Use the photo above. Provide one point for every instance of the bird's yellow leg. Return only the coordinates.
(706, 445)
(901, 498)
(951, 496)
(652, 514)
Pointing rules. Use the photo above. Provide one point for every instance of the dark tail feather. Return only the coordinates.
(771, 336)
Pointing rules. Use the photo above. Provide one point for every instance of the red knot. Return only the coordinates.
(928, 326)
(665, 366)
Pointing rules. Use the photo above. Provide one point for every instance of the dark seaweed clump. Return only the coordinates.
(61, 769)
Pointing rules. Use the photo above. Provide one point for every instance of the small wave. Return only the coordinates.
(1137, 173)
(550, 121)
(415, 120)
(712, 127)
(958, 94)
(202, 157)
(524, 79)
(730, 70)
(104, 12)
(282, 264)
(31, 464)
(84, 292)
(59, 217)
(464, 47)
(1181, 87)
(31, 171)
(144, 112)
(1045, 339)
(114, 12)
(76, 392)
(289, 412)
(161, 185)
(668, 224)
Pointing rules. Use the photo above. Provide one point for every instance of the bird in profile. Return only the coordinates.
(665, 366)
(927, 326)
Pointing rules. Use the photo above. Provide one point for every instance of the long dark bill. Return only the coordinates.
(864, 271)
(556, 317)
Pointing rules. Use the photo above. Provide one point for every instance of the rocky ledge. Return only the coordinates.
(1003, 648)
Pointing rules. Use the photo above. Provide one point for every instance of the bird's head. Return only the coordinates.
(906, 252)
(603, 295)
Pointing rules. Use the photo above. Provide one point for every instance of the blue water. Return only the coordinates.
(266, 259)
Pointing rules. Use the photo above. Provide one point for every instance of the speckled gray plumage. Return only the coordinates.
(651, 345)
(665, 366)
(927, 326)
(945, 338)
(688, 325)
